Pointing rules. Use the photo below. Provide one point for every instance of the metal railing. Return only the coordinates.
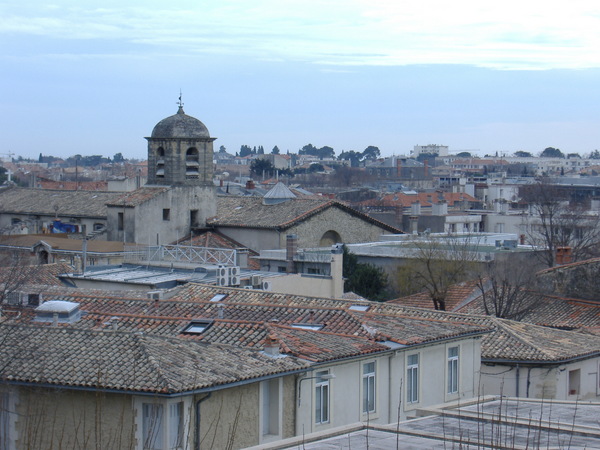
(180, 253)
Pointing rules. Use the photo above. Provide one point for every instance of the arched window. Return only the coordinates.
(329, 238)
(160, 162)
(192, 163)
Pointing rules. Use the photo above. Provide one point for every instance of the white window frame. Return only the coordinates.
(369, 387)
(453, 370)
(166, 422)
(412, 379)
(266, 409)
(322, 398)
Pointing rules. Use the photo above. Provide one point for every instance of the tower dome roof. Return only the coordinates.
(180, 125)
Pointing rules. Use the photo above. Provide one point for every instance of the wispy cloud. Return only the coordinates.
(504, 35)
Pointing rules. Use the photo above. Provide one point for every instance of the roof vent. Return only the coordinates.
(58, 311)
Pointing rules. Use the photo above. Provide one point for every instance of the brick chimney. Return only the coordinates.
(250, 184)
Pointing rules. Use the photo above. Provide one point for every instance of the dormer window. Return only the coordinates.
(58, 311)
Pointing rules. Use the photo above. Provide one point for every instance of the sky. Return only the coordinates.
(93, 78)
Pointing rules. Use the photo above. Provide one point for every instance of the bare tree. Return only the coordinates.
(508, 289)
(554, 222)
(439, 263)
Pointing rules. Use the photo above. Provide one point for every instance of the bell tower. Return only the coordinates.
(180, 152)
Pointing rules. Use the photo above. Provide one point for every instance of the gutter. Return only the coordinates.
(206, 390)
(541, 362)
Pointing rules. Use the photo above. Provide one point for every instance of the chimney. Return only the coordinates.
(221, 182)
(291, 248)
(250, 184)
(271, 346)
(398, 212)
(414, 224)
(398, 167)
(564, 255)
(415, 208)
(426, 162)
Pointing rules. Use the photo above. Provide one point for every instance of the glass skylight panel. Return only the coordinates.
(308, 326)
(359, 307)
(218, 297)
(197, 326)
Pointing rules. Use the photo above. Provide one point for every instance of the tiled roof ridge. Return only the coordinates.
(501, 324)
(330, 333)
(311, 212)
(573, 264)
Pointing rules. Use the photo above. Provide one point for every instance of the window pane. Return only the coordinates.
(371, 404)
(175, 425)
(152, 426)
(325, 417)
(452, 351)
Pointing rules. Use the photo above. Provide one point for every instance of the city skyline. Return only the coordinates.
(482, 78)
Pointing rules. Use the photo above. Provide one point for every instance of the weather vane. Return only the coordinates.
(180, 102)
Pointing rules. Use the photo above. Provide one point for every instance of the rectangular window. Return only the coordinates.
(162, 430)
(368, 387)
(322, 397)
(120, 220)
(452, 370)
(152, 425)
(574, 380)
(412, 379)
(166, 214)
(270, 407)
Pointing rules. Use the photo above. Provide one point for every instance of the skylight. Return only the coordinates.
(197, 326)
(359, 308)
(308, 326)
(218, 297)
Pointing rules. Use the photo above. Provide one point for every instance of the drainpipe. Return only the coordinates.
(528, 381)
(517, 392)
(197, 430)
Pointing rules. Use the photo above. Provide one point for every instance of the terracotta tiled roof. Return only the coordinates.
(250, 212)
(552, 311)
(60, 243)
(19, 276)
(52, 202)
(127, 361)
(137, 197)
(519, 341)
(456, 296)
(213, 239)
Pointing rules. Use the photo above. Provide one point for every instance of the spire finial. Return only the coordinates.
(180, 103)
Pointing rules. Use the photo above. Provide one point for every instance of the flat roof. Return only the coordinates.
(492, 422)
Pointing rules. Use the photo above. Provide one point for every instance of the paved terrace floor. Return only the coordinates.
(499, 424)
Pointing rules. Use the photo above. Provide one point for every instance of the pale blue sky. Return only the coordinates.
(94, 78)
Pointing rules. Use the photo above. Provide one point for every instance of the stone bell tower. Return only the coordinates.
(180, 152)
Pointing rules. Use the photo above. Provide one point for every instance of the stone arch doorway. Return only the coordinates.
(330, 238)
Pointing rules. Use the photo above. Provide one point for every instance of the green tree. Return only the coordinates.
(260, 167)
(275, 150)
(352, 156)
(222, 149)
(245, 150)
(464, 155)
(371, 152)
(551, 152)
(363, 279)
(522, 154)
(595, 155)
(118, 158)
(309, 149)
